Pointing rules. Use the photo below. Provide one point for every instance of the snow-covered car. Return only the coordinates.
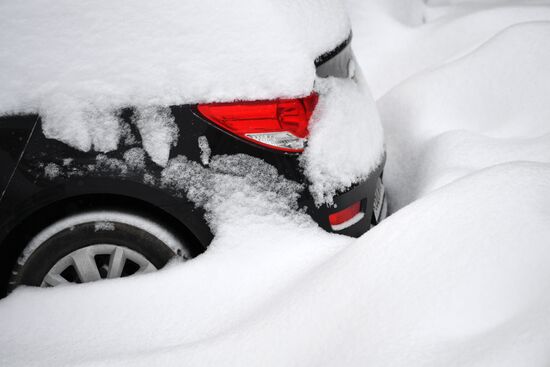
(118, 185)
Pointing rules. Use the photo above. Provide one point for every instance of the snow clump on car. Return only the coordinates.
(78, 63)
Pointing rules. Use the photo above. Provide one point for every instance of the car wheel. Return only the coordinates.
(95, 245)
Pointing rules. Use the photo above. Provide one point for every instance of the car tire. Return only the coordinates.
(93, 246)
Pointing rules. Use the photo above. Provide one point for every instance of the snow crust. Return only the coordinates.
(457, 276)
(78, 63)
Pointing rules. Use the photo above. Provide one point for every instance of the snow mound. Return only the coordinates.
(485, 108)
(439, 283)
(397, 39)
(77, 63)
(459, 277)
(260, 248)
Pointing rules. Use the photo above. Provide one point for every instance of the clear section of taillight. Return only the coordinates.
(279, 124)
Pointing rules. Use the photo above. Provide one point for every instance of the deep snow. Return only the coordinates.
(77, 63)
(457, 276)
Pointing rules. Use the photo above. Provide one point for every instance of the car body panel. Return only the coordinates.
(14, 134)
(33, 187)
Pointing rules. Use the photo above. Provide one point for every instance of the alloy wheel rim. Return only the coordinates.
(97, 262)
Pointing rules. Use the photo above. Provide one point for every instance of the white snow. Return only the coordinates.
(67, 162)
(75, 61)
(234, 187)
(111, 165)
(98, 124)
(126, 134)
(397, 44)
(346, 139)
(104, 226)
(158, 131)
(457, 276)
(205, 149)
(52, 170)
(79, 64)
(490, 107)
(135, 158)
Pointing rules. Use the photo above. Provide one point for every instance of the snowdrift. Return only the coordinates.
(401, 38)
(440, 283)
(482, 109)
(458, 276)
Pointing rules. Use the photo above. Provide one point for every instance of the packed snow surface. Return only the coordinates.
(457, 276)
(77, 63)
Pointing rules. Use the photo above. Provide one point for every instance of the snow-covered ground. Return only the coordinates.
(458, 275)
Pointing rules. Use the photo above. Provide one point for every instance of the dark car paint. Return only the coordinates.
(32, 191)
(14, 135)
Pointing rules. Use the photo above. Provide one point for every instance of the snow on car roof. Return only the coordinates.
(72, 62)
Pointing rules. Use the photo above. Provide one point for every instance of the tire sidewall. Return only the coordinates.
(33, 268)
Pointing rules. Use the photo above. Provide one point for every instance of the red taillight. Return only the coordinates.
(280, 124)
(346, 217)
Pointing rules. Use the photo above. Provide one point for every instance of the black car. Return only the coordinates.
(68, 216)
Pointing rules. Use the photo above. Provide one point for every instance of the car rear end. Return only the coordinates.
(277, 131)
(282, 132)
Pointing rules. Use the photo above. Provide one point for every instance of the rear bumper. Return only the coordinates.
(364, 191)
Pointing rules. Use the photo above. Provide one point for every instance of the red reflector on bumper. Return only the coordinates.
(339, 219)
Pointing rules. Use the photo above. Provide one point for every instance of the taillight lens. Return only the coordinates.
(346, 217)
(280, 124)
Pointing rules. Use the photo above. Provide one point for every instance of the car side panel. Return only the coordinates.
(14, 133)
(51, 171)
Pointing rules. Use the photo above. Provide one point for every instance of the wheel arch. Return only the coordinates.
(15, 241)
